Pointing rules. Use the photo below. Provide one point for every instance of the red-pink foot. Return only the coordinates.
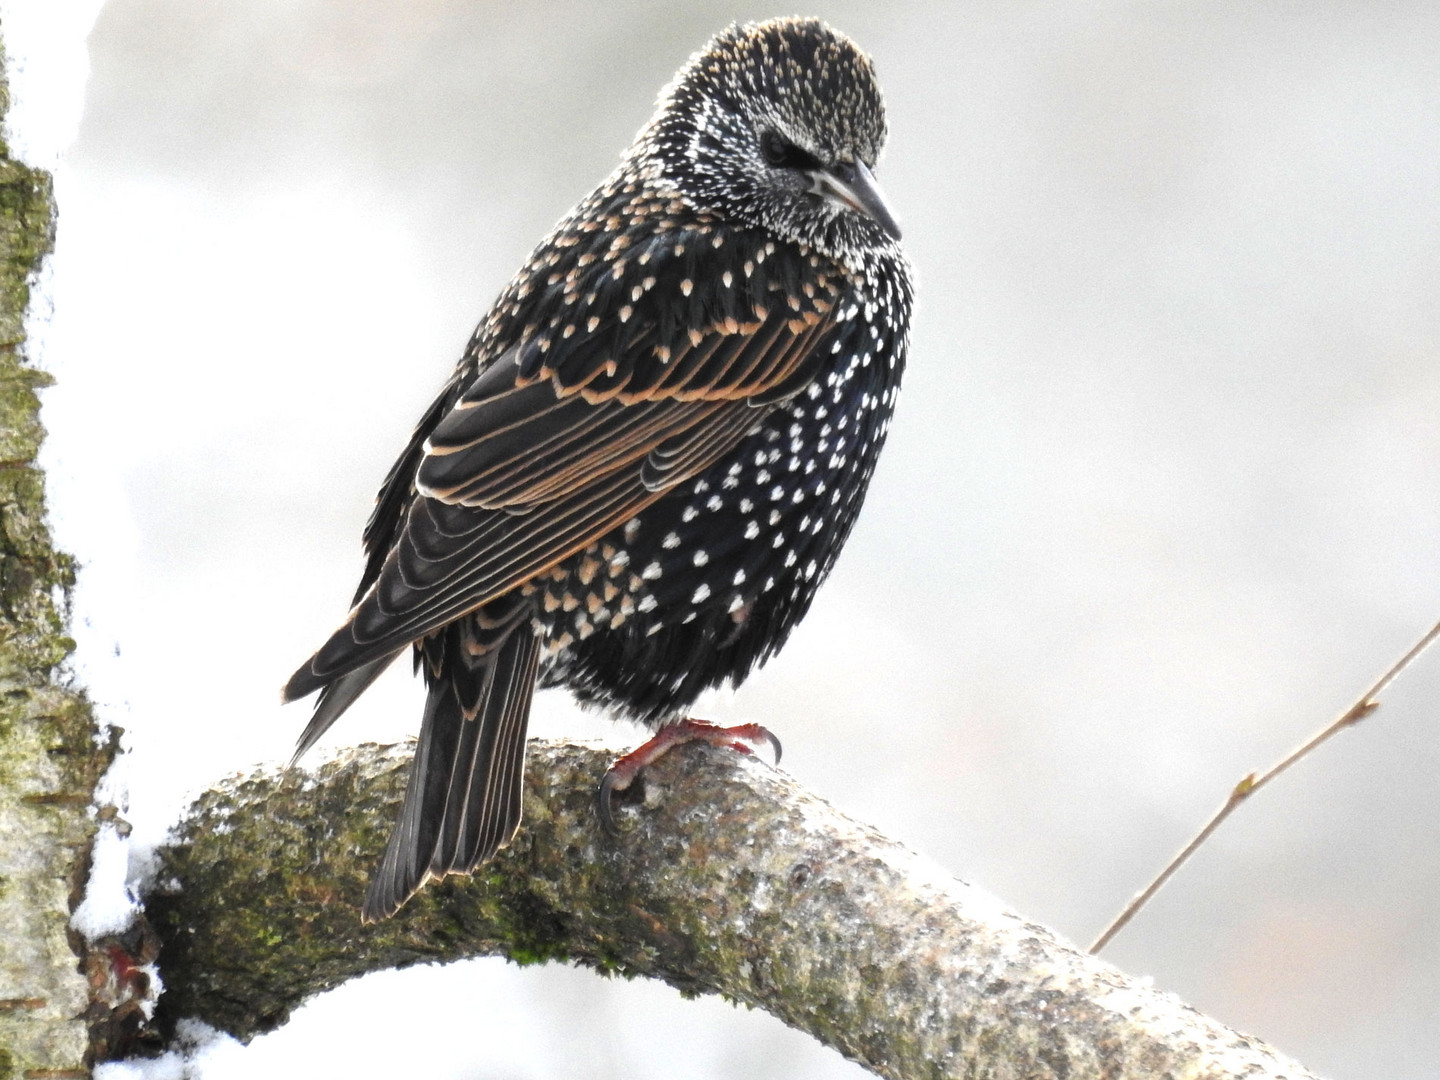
(623, 773)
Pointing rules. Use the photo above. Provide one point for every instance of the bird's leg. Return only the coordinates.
(623, 773)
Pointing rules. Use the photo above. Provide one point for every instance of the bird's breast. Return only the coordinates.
(732, 558)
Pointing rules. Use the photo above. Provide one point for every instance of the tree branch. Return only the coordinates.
(730, 879)
(1250, 783)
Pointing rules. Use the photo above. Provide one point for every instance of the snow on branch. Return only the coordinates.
(730, 878)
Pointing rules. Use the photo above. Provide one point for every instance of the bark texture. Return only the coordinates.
(729, 879)
(50, 756)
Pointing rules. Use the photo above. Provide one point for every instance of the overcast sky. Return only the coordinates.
(1159, 500)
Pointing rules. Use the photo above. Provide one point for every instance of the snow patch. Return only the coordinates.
(48, 66)
(194, 1044)
(109, 906)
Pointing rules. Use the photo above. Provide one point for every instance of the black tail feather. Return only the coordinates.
(464, 797)
(335, 698)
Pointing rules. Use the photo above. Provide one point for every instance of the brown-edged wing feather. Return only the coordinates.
(533, 463)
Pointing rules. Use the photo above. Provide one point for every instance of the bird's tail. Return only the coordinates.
(463, 800)
(335, 698)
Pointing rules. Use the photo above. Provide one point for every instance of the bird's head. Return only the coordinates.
(778, 125)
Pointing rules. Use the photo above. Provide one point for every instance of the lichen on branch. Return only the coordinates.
(730, 878)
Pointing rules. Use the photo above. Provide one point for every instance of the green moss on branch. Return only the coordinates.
(729, 879)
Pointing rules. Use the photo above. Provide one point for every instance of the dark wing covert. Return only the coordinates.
(576, 425)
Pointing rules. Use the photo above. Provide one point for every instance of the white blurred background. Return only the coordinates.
(1160, 499)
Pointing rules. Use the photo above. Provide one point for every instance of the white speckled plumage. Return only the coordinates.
(655, 444)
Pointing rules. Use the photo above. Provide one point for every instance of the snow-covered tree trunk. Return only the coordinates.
(51, 753)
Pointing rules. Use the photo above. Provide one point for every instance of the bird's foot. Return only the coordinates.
(622, 774)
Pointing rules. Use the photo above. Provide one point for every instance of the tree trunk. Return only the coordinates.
(50, 754)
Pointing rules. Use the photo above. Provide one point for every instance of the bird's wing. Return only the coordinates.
(565, 437)
(395, 495)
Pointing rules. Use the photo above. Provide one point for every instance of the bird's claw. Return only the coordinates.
(623, 772)
(602, 802)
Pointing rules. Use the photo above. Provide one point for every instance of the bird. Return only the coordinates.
(652, 449)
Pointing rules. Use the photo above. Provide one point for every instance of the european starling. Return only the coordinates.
(653, 448)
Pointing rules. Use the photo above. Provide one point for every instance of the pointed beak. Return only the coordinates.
(853, 186)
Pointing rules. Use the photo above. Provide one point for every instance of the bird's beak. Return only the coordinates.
(853, 186)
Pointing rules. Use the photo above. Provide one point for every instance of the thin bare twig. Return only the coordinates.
(1251, 783)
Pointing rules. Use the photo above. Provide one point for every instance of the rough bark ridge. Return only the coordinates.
(50, 758)
(731, 879)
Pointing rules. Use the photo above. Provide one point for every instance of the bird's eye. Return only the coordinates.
(775, 149)
(781, 153)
